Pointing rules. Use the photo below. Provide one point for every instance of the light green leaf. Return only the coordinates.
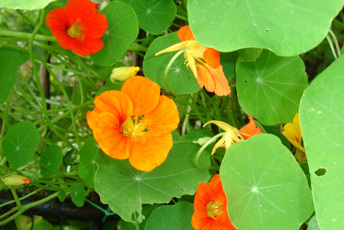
(25, 4)
(10, 61)
(123, 28)
(249, 55)
(87, 165)
(313, 224)
(154, 16)
(270, 88)
(171, 217)
(20, 143)
(180, 78)
(287, 28)
(51, 160)
(322, 123)
(265, 186)
(125, 189)
(78, 195)
(146, 211)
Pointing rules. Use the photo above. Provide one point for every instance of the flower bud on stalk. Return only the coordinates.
(15, 180)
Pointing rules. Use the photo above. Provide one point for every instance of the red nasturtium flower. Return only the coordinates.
(78, 27)
(204, 62)
(210, 207)
(135, 123)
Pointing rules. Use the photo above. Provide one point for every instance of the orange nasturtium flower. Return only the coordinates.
(135, 123)
(204, 62)
(210, 207)
(232, 134)
(292, 132)
(78, 27)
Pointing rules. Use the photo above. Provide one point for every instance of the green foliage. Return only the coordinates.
(8, 69)
(25, 4)
(264, 185)
(51, 159)
(154, 16)
(171, 217)
(78, 195)
(122, 29)
(285, 28)
(20, 143)
(270, 88)
(179, 78)
(321, 118)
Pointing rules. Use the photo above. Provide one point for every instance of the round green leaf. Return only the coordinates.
(322, 123)
(154, 16)
(265, 187)
(125, 189)
(284, 27)
(78, 195)
(87, 164)
(179, 78)
(270, 88)
(123, 28)
(51, 159)
(171, 217)
(10, 61)
(20, 143)
(25, 4)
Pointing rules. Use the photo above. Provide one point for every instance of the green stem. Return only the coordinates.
(28, 36)
(168, 69)
(3, 128)
(331, 46)
(136, 223)
(26, 207)
(16, 198)
(211, 140)
(22, 198)
(335, 42)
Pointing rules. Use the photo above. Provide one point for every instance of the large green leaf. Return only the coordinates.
(154, 16)
(287, 28)
(123, 28)
(265, 186)
(125, 189)
(20, 143)
(51, 160)
(10, 61)
(171, 217)
(87, 165)
(270, 87)
(25, 4)
(179, 78)
(322, 123)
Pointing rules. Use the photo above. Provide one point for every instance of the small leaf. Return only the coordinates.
(88, 165)
(51, 160)
(270, 88)
(322, 123)
(154, 16)
(125, 189)
(10, 61)
(123, 28)
(78, 195)
(265, 186)
(179, 78)
(171, 217)
(20, 143)
(25, 4)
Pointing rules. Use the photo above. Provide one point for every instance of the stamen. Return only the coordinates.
(214, 208)
(133, 127)
(76, 31)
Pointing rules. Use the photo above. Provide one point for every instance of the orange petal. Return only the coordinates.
(115, 102)
(96, 26)
(164, 118)
(147, 154)
(144, 94)
(185, 33)
(204, 78)
(106, 132)
(212, 57)
(221, 83)
(250, 129)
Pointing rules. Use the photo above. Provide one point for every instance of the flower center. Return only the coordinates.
(133, 127)
(214, 208)
(76, 31)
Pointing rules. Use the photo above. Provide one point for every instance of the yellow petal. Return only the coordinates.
(293, 133)
(175, 47)
(221, 124)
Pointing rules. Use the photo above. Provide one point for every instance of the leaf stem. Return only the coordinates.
(28, 36)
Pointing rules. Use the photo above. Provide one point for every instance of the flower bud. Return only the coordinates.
(201, 141)
(123, 73)
(15, 180)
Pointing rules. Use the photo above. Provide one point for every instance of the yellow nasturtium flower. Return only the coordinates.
(231, 136)
(292, 132)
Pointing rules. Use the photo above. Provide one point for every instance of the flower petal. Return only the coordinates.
(87, 46)
(96, 26)
(212, 57)
(164, 118)
(175, 47)
(147, 154)
(81, 9)
(144, 94)
(185, 33)
(250, 129)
